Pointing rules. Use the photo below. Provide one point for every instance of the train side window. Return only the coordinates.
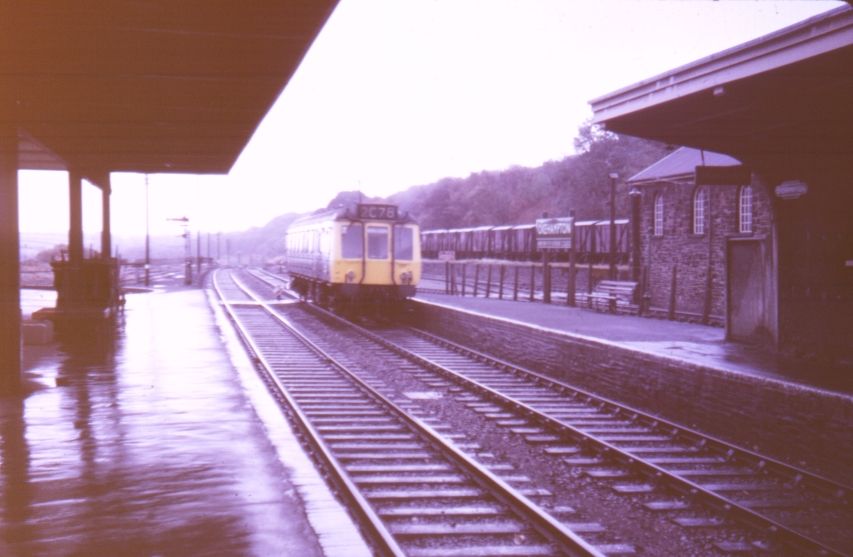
(352, 246)
(377, 242)
(324, 241)
(403, 243)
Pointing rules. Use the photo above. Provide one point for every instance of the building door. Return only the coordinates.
(746, 304)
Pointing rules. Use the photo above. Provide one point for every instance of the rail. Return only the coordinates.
(549, 527)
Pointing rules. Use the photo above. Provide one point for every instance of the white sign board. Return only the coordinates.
(554, 243)
(791, 189)
(554, 233)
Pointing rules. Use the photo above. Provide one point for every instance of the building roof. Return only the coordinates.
(680, 164)
(787, 92)
(154, 86)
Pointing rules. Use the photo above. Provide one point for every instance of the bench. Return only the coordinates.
(613, 295)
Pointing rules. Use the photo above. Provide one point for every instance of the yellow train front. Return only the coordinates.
(366, 254)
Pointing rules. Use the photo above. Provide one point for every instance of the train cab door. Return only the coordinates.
(406, 254)
(377, 240)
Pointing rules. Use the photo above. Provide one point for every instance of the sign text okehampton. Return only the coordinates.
(555, 233)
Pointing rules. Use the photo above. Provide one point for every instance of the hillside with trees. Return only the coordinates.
(520, 195)
(514, 196)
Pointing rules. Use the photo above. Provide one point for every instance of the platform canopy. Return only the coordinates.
(146, 86)
(787, 92)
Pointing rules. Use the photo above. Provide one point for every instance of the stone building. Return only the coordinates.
(687, 233)
(780, 104)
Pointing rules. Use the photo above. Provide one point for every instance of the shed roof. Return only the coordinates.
(154, 86)
(782, 94)
(681, 163)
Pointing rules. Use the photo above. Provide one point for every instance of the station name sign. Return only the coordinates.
(791, 189)
(377, 212)
(555, 233)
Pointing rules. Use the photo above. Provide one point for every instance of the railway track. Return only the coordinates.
(414, 492)
(641, 453)
(700, 481)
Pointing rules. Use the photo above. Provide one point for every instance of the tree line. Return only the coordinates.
(517, 195)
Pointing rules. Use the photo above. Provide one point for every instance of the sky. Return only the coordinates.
(394, 94)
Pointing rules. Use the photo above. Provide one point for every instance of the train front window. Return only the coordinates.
(403, 243)
(377, 242)
(352, 246)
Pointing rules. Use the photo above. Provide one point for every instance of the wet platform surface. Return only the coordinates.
(689, 342)
(145, 442)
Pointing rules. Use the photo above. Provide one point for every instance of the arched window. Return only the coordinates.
(658, 214)
(745, 210)
(700, 201)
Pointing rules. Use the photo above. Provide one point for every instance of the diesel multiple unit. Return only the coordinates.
(364, 254)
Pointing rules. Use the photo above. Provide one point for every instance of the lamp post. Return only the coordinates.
(188, 250)
(613, 177)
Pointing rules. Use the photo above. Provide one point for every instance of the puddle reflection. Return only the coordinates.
(144, 446)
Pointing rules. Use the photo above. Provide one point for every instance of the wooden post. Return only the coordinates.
(501, 283)
(464, 274)
(672, 291)
(515, 285)
(570, 286)
(706, 313)
(612, 259)
(489, 281)
(589, 278)
(476, 279)
(546, 276)
(532, 280)
(447, 280)
(455, 278)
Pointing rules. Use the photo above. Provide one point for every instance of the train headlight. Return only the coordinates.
(349, 277)
(406, 277)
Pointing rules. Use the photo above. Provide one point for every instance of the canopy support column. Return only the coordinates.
(75, 217)
(10, 267)
(106, 233)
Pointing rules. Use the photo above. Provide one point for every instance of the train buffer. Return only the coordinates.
(613, 296)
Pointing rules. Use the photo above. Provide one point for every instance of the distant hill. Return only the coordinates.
(266, 242)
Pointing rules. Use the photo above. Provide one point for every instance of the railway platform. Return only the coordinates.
(682, 372)
(157, 439)
(689, 342)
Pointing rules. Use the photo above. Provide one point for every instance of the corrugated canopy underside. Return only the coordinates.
(146, 86)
